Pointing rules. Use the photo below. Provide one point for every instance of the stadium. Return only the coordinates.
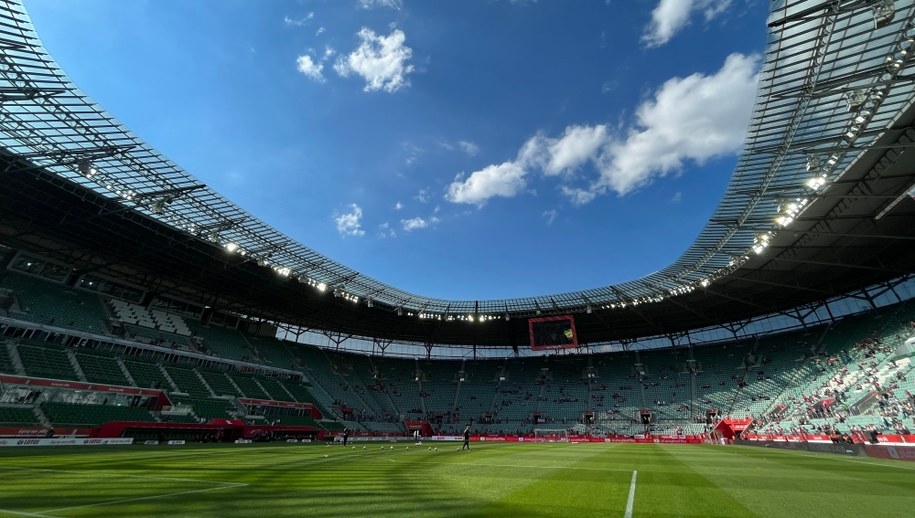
(164, 352)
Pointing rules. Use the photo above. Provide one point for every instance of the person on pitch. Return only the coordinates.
(466, 445)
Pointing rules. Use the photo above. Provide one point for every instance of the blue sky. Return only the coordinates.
(459, 149)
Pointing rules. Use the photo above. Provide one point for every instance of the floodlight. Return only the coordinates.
(231, 247)
(704, 283)
(159, 206)
(894, 62)
(855, 99)
(863, 116)
(321, 287)
(884, 12)
(852, 133)
(813, 163)
(86, 168)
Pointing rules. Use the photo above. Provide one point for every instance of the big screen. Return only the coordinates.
(557, 332)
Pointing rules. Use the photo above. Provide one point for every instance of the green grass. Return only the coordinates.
(530, 480)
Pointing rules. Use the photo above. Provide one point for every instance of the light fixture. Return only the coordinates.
(761, 242)
(86, 168)
(894, 62)
(855, 99)
(852, 133)
(231, 247)
(884, 11)
(813, 163)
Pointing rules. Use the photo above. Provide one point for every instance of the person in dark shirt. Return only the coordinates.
(466, 445)
(345, 436)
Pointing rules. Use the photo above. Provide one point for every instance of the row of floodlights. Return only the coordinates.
(285, 271)
(863, 103)
(469, 317)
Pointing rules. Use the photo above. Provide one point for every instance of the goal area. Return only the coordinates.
(552, 434)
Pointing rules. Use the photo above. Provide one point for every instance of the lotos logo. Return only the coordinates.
(28, 442)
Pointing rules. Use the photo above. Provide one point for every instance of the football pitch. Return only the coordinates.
(508, 480)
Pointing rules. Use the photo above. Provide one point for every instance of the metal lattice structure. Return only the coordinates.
(830, 127)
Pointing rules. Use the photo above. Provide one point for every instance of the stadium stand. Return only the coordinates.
(17, 416)
(46, 302)
(46, 362)
(188, 381)
(67, 414)
(147, 375)
(842, 376)
(221, 341)
(207, 407)
(219, 382)
(250, 387)
(6, 362)
(100, 367)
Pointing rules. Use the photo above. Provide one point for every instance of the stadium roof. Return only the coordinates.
(816, 206)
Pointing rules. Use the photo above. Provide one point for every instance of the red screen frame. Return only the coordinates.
(531, 322)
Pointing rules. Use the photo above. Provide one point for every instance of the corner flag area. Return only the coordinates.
(531, 480)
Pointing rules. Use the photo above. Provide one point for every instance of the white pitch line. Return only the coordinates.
(631, 499)
(138, 499)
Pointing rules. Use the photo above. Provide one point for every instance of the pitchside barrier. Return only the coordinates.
(901, 447)
(67, 441)
(638, 439)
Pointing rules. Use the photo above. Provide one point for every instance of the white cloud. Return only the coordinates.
(578, 145)
(506, 179)
(328, 53)
(350, 224)
(677, 197)
(380, 60)
(298, 22)
(609, 86)
(550, 216)
(417, 223)
(670, 16)
(398, 206)
(554, 156)
(469, 148)
(369, 4)
(310, 68)
(688, 119)
(385, 231)
(422, 196)
(695, 118)
(320, 31)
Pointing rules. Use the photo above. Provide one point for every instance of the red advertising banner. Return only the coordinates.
(32, 431)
